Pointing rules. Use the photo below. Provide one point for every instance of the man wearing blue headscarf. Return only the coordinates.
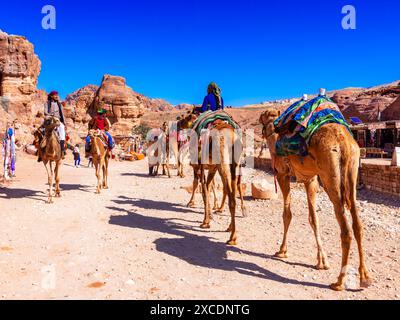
(213, 100)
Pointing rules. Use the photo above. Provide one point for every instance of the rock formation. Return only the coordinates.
(124, 106)
(19, 71)
(393, 111)
(366, 103)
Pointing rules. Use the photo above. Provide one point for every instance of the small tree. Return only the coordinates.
(141, 130)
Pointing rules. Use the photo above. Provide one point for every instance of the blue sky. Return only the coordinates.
(256, 50)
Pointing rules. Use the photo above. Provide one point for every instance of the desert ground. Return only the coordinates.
(138, 240)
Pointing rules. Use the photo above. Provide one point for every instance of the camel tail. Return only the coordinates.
(349, 168)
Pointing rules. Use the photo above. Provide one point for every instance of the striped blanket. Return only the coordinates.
(309, 117)
(206, 119)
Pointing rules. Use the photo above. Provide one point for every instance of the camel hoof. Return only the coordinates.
(337, 287)
(244, 213)
(322, 266)
(105, 188)
(58, 195)
(281, 255)
(191, 205)
(205, 226)
(231, 243)
(366, 283)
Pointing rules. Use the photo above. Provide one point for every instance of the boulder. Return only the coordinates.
(263, 190)
(31, 149)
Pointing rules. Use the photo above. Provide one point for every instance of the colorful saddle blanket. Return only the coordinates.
(309, 117)
(206, 120)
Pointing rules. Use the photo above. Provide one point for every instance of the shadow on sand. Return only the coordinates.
(144, 175)
(379, 198)
(73, 187)
(152, 204)
(194, 249)
(16, 193)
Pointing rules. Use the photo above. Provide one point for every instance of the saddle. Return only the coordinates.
(214, 119)
(297, 125)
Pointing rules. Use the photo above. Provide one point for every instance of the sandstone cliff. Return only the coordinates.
(19, 70)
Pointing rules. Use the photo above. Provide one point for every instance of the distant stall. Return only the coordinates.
(377, 138)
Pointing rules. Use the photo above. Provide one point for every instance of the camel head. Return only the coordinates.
(92, 134)
(187, 122)
(50, 123)
(267, 119)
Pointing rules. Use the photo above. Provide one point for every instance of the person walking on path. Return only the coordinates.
(77, 156)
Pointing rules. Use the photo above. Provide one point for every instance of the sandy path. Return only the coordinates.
(139, 241)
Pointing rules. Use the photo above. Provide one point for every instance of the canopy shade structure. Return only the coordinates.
(355, 120)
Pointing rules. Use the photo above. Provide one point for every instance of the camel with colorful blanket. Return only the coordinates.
(331, 154)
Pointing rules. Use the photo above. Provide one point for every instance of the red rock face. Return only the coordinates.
(124, 106)
(19, 71)
(393, 111)
(366, 103)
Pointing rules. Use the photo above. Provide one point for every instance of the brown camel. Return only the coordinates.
(49, 150)
(187, 123)
(229, 150)
(101, 157)
(334, 158)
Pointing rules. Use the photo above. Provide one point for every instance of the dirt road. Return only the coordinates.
(139, 241)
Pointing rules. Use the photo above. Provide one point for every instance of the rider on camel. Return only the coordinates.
(53, 108)
(101, 122)
(213, 100)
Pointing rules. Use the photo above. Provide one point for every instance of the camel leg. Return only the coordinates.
(105, 173)
(312, 189)
(365, 280)
(242, 204)
(215, 207)
(284, 184)
(50, 181)
(206, 199)
(231, 186)
(191, 203)
(57, 178)
(98, 168)
(168, 172)
(333, 189)
(224, 196)
(211, 186)
(346, 242)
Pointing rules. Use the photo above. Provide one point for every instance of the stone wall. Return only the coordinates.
(381, 178)
(263, 164)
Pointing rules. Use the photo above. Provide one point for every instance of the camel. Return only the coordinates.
(184, 124)
(229, 151)
(334, 158)
(49, 150)
(101, 158)
(153, 150)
